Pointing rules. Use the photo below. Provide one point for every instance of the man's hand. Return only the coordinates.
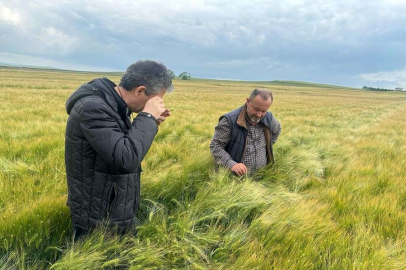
(163, 116)
(155, 106)
(239, 169)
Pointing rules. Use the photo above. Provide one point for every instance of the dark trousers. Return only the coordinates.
(78, 233)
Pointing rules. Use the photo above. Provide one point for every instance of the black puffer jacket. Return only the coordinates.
(103, 153)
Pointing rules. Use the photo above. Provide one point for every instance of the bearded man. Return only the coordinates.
(243, 138)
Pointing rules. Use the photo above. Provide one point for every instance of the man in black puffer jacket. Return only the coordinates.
(104, 149)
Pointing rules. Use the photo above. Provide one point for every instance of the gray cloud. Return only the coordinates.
(397, 77)
(323, 41)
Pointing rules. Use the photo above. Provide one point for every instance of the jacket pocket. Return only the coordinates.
(112, 199)
(127, 197)
(102, 186)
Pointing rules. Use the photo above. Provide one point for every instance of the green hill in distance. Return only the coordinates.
(304, 84)
(47, 68)
(118, 73)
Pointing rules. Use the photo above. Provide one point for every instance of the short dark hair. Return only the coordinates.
(264, 93)
(153, 75)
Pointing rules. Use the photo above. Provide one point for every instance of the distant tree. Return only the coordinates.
(184, 76)
(375, 89)
(171, 73)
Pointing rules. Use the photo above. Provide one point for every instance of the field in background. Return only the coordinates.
(334, 199)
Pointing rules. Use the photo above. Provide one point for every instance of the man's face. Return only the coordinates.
(257, 108)
(139, 98)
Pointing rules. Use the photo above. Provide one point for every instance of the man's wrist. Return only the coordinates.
(229, 164)
(147, 115)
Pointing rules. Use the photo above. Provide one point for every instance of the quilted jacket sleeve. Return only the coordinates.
(123, 151)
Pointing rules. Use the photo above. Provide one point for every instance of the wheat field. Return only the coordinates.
(334, 199)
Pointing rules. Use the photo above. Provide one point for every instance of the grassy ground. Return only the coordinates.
(334, 199)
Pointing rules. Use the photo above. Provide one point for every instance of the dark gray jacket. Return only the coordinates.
(103, 153)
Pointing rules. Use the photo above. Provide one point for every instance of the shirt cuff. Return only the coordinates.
(229, 164)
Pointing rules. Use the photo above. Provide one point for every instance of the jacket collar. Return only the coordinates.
(115, 101)
(241, 117)
(107, 87)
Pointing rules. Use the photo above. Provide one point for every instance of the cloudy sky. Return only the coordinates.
(350, 43)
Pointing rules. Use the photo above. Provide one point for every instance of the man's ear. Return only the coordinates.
(247, 102)
(139, 90)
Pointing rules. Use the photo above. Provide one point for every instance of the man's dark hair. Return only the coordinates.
(264, 93)
(154, 76)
